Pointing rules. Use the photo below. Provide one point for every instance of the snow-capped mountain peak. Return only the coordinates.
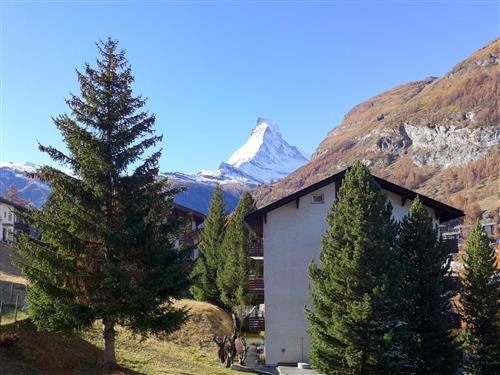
(266, 155)
(247, 152)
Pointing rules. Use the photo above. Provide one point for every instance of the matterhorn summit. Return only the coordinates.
(265, 156)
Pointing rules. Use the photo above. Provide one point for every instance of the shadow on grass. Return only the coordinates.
(49, 353)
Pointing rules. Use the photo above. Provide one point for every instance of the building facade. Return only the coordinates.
(10, 222)
(289, 233)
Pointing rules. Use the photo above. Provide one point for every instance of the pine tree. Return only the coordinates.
(352, 323)
(480, 305)
(106, 251)
(429, 346)
(232, 275)
(205, 271)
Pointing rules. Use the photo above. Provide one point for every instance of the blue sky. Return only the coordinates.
(210, 68)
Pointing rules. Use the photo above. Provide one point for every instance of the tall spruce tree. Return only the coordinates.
(105, 251)
(232, 275)
(205, 271)
(480, 305)
(352, 323)
(428, 345)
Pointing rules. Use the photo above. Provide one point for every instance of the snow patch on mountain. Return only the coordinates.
(21, 167)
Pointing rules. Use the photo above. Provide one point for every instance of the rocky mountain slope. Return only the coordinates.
(440, 136)
(13, 174)
(265, 157)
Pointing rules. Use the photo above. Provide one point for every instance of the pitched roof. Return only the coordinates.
(13, 204)
(445, 211)
(182, 208)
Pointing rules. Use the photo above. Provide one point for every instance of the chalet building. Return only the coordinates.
(289, 233)
(457, 233)
(10, 223)
(195, 223)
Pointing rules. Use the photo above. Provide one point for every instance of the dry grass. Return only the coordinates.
(8, 272)
(205, 321)
(188, 351)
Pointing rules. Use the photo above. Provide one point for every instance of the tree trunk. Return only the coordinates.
(108, 334)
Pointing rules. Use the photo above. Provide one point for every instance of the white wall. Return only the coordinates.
(292, 237)
(6, 217)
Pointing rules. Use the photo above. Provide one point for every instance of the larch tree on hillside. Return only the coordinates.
(106, 251)
(480, 305)
(352, 320)
(205, 271)
(12, 194)
(428, 345)
(235, 266)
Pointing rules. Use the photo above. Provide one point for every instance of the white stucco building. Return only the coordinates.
(9, 221)
(290, 232)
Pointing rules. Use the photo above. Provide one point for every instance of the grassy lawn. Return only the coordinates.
(8, 314)
(187, 352)
(8, 272)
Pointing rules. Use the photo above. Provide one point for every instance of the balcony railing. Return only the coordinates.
(256, 284)
(256, 248)
(256, 324)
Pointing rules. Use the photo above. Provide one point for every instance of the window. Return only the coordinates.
(10, 216)
(318, 199)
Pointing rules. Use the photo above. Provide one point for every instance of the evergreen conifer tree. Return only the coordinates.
(205, 271)
(428, 345)
(232, 275)
(480, 305)
(352, 324)
(106, 251)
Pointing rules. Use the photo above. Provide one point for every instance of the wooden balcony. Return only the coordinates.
(256, 284)
(256, 324)
(256, 248)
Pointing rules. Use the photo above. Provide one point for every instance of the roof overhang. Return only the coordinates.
(444, 211)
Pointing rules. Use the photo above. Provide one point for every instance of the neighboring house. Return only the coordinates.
(458, 232)
(192, 232)
(10, 223)
(289, 233)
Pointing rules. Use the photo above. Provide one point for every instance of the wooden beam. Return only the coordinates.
(403, 200)
(265, 218)
(297, 202)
